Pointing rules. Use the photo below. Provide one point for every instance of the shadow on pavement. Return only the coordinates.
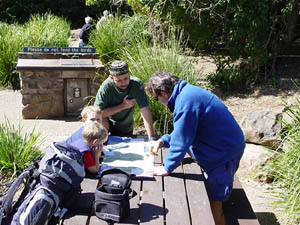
(267, 218)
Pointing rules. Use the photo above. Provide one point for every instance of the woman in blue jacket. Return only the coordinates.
(204, 127)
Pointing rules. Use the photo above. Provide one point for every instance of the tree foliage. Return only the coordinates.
(251, 33)
(21, 10)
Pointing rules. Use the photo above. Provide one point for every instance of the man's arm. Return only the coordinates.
(148, 123)
(127, 103)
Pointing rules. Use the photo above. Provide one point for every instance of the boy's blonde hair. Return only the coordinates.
(93, 131)
(89, 109)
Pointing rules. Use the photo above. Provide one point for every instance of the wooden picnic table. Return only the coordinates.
(177, 199)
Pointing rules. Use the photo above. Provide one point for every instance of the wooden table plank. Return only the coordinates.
(152, 205)
(248, 222)
(93, 220)
(152, 210)
(197, 196)
(177, 211)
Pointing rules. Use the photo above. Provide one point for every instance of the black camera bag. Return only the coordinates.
(112, 195)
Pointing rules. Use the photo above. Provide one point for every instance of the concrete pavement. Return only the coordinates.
(55, 129)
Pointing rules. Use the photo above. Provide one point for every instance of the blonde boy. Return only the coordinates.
(88, 114)
(94, 134)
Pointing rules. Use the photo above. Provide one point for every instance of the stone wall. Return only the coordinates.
(43, 82)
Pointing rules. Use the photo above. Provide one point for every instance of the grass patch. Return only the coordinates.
(285, 167)
(167, 56)
(17, 149)
(117, 33)
(46, 30)
(10, 44)
(39, 31)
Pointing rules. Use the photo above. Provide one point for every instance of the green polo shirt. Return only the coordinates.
(109, 95)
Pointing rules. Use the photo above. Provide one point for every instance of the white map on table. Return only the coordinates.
(133, 157)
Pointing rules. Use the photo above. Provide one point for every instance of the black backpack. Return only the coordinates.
(27, 181)
(112, 195)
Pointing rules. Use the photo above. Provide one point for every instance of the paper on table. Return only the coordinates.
(133, 157)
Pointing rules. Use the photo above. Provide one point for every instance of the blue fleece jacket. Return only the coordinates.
(203, 124)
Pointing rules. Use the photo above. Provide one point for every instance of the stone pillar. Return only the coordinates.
(43, 81)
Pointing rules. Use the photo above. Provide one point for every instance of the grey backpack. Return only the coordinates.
(65, 161)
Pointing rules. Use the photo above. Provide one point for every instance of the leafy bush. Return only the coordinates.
(20, 11)
(237, 30)
(40, 30)
(229, 76)
(17, 149)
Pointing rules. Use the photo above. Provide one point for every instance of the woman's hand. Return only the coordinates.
(157, 171)
(154, 146)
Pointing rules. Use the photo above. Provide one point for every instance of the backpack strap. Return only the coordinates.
(77, 167)
(48, 169)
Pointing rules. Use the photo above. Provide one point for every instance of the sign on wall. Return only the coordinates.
(59, 50)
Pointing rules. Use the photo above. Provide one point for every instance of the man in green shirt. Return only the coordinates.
(117, 97)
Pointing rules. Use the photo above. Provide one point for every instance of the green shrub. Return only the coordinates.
(229, 76)
(40, 30)
(286, 168)
(17, 149)
(117, 33)
(20, 11)
(46, 30)
(10, 44)
(145, 59)
(237, 30)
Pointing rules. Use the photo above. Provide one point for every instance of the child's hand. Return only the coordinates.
(98, 149)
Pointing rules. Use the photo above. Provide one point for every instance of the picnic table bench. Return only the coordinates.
(177, 199)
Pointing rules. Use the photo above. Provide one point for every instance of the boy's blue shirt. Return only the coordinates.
(203, 124)
(76, 135)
